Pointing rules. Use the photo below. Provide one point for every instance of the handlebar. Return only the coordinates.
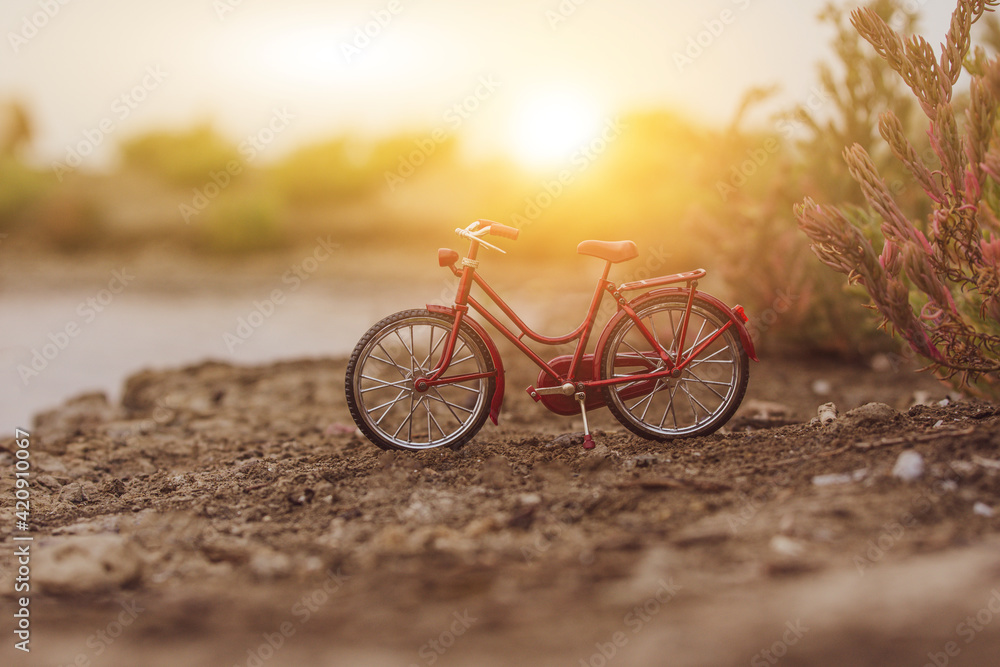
(503, 231)
(480, 228)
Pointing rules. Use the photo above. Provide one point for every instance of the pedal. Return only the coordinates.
(567, 389)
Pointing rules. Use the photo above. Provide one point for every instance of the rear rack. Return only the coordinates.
(686, 277)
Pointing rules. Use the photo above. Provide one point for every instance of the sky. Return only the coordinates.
(94, 72)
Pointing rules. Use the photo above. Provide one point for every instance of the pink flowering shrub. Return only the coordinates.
(936, 279)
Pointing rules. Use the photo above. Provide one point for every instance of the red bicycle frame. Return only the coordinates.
(463, 300)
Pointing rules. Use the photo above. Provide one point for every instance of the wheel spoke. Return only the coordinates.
(391, 411)
(430, 418)
(400, 369)
(408, 420)
(708, 413)
(413, 359)
(438, 397)
(706, 383)
(433, 349)
(656, 388)
(391, 404)
(673, 335)
(382, 384)
(670, 408)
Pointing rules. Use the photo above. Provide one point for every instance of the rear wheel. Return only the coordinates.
(386, 363)
(706, 393)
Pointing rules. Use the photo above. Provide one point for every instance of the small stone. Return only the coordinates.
(909, 466)
(870, 413)
(86, 564)
(529, 499)
(982, 509)
(270, 565)
(822, 387)
(786, 546)
(881, 363)
(645, 460)
(566, 440)
(832, 479)
(827, 413)
(77, 493)
(114, 486)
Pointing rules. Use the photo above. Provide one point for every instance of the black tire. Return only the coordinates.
(381, 372)
(698, 402)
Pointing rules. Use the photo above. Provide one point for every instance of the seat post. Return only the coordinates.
(607, 270)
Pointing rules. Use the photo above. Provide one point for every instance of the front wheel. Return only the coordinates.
(697, 402)
(388, 360)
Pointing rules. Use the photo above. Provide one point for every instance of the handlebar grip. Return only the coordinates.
(503, 231)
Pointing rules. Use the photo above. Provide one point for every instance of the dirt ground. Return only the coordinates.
(230, 516)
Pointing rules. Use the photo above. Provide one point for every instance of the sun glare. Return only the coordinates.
(549, 129)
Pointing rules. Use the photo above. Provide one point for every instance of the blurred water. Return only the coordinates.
(148, 329)
(143, 330)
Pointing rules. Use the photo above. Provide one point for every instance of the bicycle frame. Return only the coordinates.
(573, 377)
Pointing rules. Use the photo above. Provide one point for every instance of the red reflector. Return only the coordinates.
(738, 310)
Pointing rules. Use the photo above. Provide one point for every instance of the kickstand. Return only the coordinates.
(588, 440)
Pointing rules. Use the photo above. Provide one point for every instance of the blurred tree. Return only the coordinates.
(186, 158)
(346, 168)
(16, 131)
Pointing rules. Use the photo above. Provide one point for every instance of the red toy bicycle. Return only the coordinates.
(672, 362)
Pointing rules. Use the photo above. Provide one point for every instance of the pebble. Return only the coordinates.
(881, 363)
(840, 478)
(786, 546)
(822, 387)
(831, 479)
(645, 460)
(909, 466)
(870, 413)
(982, 509)
(270, 565)
(827, 413)
(83, 564)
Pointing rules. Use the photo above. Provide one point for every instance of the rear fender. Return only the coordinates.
(736, 316)
(494, 353)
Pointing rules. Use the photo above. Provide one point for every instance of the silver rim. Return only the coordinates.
(388, 402)
(681, 405)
